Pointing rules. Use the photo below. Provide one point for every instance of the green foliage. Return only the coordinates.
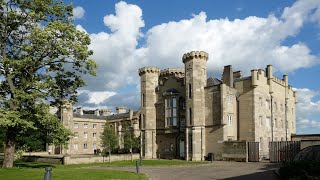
(130, 141)
(296, 169)
(109, 140)
(42, 58)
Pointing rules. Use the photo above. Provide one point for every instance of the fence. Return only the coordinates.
(283, 150)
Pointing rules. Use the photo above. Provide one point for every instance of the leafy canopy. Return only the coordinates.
(42, 59)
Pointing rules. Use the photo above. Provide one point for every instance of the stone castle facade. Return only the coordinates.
(186, 115)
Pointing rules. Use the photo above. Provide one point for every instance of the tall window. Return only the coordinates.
(190, 91)
(171, 111)
(143, 100)
(260, 101)
(275, 123)
(76, 134)
(260, 120)
(190, 116)
(230, 99)
(85, 146)
(94, 126)
(94, 135)
(229, 119)
(267, 104)
(268, 122)
(94, 146)
(85, 135)
(85, 125)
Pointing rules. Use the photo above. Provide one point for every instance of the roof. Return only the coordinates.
(211, 81)
(110, 117)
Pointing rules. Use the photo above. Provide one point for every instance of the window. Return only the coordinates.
(281, 123)
(76, 134)
(94, 126)
(229, 119)
(260, 101)
(190, 116)
(268, 122)
(182, 122)
(190, 91)
(94, 146)
(85, 146)
(143, 121)
(102, 126)
(85, 135)
(275, 123)
(171, 111)
(75, 146)
(292, 125)
(267, 104)
(94, 135)
(69, 118)
(143, 100)
(230, 99)
(260, 120)
(281, 107)
(85, 125)
(75, 125)
(292, 111)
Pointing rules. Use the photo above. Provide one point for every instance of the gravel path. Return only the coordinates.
(216, 170)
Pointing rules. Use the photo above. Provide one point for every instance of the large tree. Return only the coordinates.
(42, 59)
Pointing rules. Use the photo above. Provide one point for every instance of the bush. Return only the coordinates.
(297, 169)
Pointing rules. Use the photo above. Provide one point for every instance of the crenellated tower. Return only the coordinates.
(195, 81)
(149, 81)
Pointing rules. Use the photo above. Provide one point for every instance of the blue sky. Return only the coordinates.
(247, 34)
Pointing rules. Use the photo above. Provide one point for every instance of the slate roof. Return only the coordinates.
(211, 81)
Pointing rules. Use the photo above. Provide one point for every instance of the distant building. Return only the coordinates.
(186, 115)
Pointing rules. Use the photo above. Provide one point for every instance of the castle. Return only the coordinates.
(186, 115)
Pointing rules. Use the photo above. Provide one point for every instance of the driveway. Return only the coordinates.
(216, 170)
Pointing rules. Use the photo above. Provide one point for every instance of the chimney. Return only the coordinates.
(227, 76)
(237, 75)
(96, 112)
(106, 112)
(130, 113)
(121, 109)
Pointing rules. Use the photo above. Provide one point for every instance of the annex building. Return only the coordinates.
(186, 115)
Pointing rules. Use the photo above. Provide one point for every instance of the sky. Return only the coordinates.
(248, 34)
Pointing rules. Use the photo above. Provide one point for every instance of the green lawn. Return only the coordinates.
(34, 171)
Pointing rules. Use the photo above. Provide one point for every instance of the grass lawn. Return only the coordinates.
(34, 171)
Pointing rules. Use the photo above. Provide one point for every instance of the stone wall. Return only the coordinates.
(98, 159)
(234, 150)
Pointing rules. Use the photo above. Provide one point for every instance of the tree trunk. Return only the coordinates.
(109, 156)
(9, 149)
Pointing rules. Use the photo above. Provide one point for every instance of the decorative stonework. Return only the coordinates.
(195, 55)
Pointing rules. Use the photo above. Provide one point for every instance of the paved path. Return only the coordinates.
(216, 170)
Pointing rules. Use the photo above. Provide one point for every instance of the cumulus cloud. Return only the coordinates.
(308, 109)
(97, 97)
(247, 43)
(78, 12)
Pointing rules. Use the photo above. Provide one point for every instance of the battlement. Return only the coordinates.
(170, 71)
(279, 81)
(148, 70)
(195, 55)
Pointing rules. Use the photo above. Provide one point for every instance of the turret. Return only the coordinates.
(195, 79)
(149, 81)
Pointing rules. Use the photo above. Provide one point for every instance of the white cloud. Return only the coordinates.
(247, 43)
(80, 28)
(97, 97)
(307, 108)
(78, 12)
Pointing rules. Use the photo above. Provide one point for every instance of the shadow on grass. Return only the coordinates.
(32, 165)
